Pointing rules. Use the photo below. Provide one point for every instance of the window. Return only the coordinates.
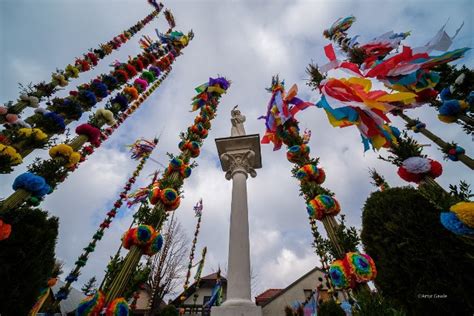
(205, 300)
(307, 293)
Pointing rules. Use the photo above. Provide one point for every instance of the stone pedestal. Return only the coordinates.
(240, 156)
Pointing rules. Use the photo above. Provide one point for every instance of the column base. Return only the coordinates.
(244, 308)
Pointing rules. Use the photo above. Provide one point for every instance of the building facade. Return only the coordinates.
(274, 301)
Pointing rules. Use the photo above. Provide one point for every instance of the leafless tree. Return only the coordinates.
(169, 265)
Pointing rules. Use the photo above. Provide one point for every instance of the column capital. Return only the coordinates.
(239, 161)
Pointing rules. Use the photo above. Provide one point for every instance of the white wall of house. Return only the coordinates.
(202, 292)
(295, 293)
(142, 302)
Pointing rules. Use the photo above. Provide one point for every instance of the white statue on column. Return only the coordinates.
(239, 157)
(237, 120)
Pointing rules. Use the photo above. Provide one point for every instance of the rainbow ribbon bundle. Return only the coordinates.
(409, 70)
(142, 147)
(176, 38)
(218, 85)
(338, 29)
(281, 107)
(349, 102)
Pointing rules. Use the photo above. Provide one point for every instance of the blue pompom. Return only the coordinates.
(88, 97)
(470, 98)
(450, 108)
(155, 70)
(100, 89)
(121, 100)
(110, 81)
(56, 119)
(451, 222)
(71, 106)
(31, 183)
(445, 94)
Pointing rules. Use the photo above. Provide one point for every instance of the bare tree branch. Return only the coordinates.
(169, 265)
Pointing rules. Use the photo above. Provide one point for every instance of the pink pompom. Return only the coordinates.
(91, 132)
(142, 83)
(11, 118)
(3, 110)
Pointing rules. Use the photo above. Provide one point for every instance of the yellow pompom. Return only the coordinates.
(463, 105)
(26, 132)
(74, 159)
(106, 115)
(447, 119)
(10, 151)
(465, 212)
(61, 149)
(39, 134)
(15, 158)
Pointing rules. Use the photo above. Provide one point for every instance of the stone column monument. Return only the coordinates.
(239, 156)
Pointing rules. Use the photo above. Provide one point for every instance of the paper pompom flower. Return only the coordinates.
(297, 152)
(199, 129)
(361, 266)
(310, 173)
(138, 236)
(209, 111)
(452, 223)
(36, 133)
(155, 194)
(170, 198)
(339, 274)
(88, 98)
(11, 154)
(415, 169)
(66, 152)
(155, 245)
(140, 84)
(417, 165)
(121, 75)
(464, 212)
(454, 152)
(99, 88)
(175, 164)
(32, 183)
(323, 205)
(192, 146)
(132, 92)
(91, 305)
(148, 76)
(105, 115)
(452, 108)
(91, 132)
(185, 171)
(121, 101)
(5, 230)
(204, 120)
(118, 307)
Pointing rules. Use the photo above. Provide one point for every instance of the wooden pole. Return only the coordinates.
(465, 159)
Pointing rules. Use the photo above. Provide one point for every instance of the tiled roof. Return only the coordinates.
(265, 296)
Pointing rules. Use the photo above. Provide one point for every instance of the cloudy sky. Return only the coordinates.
(248, 42)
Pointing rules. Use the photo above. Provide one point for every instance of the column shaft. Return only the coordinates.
(239, 245)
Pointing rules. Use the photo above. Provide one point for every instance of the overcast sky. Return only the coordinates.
(248, 42)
